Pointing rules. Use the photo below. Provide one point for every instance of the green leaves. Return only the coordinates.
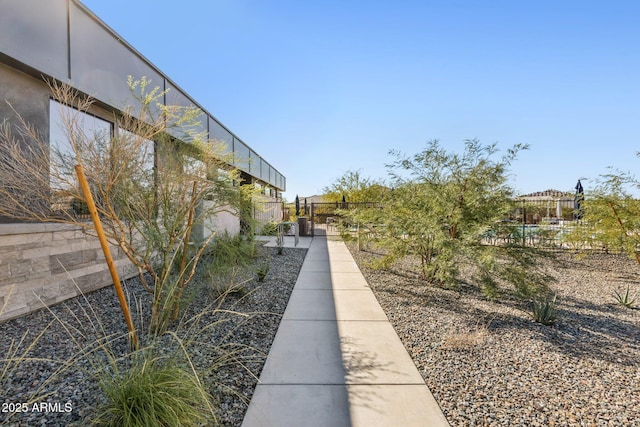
(624, 298)
(544, 310)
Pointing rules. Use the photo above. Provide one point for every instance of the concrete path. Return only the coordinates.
(336, 360)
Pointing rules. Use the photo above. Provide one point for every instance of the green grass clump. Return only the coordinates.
(154, 391)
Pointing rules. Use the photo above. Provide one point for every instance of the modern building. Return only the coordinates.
(61, 40)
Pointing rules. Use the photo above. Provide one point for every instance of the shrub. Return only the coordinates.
(154, 391)
(228, 251)
(269, 229)
(226, 263)
(544, 310)
(262, 271)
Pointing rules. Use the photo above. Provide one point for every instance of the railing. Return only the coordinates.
(281, 233)
(265, 212)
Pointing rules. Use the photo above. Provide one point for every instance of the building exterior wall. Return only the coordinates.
(45, 263)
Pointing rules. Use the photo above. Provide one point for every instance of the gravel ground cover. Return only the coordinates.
(249, 322)
(488, 363)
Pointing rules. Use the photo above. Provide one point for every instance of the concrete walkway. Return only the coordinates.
(336, 360)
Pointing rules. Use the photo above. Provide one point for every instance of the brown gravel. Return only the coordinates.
(488, 363)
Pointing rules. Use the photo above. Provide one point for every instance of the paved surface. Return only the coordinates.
(336, 360)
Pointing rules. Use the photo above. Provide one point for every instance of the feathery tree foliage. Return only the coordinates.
(442, 208)
(611, 216)
(157, 182)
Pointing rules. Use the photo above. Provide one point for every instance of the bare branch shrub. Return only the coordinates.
(156, 179)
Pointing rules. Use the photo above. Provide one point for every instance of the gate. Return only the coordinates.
(326, 219)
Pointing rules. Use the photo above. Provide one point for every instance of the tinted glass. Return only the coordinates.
(241, 155)
(36, 33)
(87, 128)
(192, 130)
(219, 133)
(101, 62)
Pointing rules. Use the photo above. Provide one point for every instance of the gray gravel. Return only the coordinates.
(250, 328)
(488, 364)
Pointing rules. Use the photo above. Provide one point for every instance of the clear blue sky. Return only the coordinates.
(321, 87)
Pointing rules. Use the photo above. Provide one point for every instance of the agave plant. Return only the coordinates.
(544, 310)
(625, 298)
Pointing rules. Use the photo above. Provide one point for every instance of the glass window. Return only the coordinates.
(101, 62)
(144, 161)
(240, 155)
(218, 133)
(71, 132)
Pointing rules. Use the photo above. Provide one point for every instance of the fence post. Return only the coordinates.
(524, 220)
(313, 224)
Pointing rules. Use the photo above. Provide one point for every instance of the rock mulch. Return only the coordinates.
(246, 324)
(488, 363)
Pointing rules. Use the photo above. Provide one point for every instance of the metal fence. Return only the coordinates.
(540, 222)
(265, 212)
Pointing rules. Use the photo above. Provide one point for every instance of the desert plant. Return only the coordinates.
(269, 229)
(441, 208)
(231, 280)
(624, 298)
(262, 271)
(227, 251)
(154, 390)
(611, 215)
(544, 310)
(155, 181)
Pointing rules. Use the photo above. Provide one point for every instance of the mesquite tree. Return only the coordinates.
(611, 216)
(442, 207)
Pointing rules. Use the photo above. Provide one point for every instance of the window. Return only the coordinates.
(144, 160)
(70, 133)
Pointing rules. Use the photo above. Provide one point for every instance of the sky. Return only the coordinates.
(319, 88)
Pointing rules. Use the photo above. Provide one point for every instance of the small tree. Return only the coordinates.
(154, 192)
(354, 188)
(612, 215)
(442, 207)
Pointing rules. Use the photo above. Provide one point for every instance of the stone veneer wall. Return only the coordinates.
(49, 263)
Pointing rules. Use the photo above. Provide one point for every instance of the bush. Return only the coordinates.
(269, 229)
(226, 263)
(262, 271)
(228, 251)
(154, 391)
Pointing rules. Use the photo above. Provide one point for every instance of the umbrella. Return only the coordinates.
(577, 201)
(297, 206)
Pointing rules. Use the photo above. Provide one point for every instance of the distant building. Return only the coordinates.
(551, 205)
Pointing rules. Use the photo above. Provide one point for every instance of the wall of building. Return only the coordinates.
(34, 257)
(43, 264)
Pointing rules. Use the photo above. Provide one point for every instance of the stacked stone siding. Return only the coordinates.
(43, 264)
